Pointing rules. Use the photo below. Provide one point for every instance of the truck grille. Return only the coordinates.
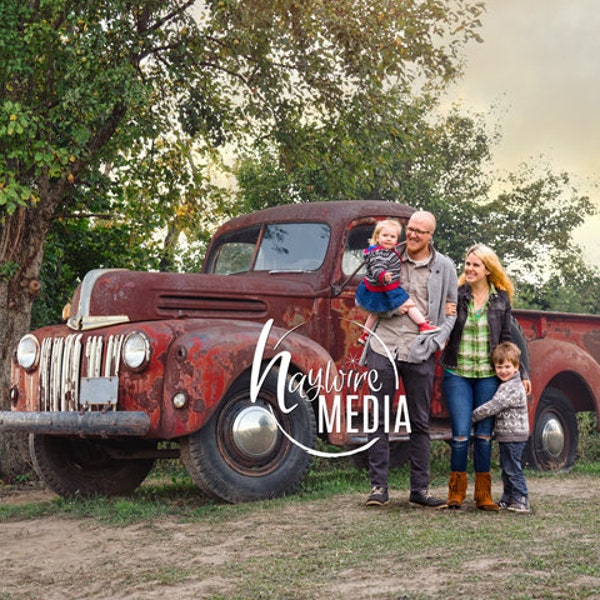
(64, 361)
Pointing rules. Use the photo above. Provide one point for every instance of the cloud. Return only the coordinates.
(539, 63)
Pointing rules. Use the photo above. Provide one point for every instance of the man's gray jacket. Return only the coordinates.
(442, 287)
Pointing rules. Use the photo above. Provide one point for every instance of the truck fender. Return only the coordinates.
(565, 379)
(566, 367)
(203, 365)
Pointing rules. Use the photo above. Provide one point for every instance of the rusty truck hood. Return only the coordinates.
(108, 297)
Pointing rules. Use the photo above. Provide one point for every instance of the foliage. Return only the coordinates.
(131, 106)
(539, 218)
(146, 92)
(74, 247)
(575, 288)
(411, 153)
(588, 450)
(116, 119)
(393, 153)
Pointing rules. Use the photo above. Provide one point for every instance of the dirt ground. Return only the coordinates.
(56, 558)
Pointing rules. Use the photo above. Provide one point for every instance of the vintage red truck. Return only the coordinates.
(223, 368)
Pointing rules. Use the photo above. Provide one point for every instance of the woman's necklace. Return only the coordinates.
(480, 297)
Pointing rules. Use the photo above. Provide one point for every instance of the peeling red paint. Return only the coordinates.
(204, 328)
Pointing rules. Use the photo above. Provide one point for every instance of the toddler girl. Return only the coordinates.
(380, 291)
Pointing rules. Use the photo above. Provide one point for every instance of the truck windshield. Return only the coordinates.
(283, 247)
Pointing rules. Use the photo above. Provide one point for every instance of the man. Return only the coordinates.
(430, 279)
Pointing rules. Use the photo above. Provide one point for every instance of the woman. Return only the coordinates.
(483, 320)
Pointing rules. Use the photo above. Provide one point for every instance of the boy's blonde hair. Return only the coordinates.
(497, 277)
(385, 223)
(506, 351)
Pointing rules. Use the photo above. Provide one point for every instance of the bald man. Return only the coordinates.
(430, 279)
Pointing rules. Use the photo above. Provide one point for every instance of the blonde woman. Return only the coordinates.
(483, 320)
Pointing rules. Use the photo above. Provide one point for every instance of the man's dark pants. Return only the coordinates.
(418, 387)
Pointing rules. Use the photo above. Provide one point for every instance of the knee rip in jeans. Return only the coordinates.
(460, 438)
(484, 438)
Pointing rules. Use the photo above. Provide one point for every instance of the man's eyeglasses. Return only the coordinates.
(417, 231)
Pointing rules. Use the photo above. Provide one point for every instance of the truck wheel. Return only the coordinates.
(85, 467)
(399, 455)
(553, 442)
(241, 455)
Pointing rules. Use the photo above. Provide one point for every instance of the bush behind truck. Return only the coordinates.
(241, 366)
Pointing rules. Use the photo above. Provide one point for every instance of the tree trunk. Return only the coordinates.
(22, 237)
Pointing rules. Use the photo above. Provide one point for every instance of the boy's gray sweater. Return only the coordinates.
(509, 404)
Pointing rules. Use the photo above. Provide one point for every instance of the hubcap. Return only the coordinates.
(553, 437)
(255, 431)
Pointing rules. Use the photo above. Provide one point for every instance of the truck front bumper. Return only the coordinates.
(109, 424)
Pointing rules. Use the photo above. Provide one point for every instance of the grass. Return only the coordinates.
(169, 491)
(588, 449)
(324, 543)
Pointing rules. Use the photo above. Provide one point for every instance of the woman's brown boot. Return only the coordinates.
(483, 492)
(457, 488)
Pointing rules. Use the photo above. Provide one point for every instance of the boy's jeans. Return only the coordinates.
(515, 486)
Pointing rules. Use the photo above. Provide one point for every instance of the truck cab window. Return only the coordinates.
(235, 252)
(281, 247)
(292, 247)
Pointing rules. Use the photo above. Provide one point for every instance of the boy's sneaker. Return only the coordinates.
(521, 506)
(502, 505)
(378, 496)
(424, 498)
(428, 327)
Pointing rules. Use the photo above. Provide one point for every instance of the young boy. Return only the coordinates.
(509, 404)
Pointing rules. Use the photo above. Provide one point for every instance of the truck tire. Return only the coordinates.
(87, 467)
(553, 442)
(399, 455)
(241, 455)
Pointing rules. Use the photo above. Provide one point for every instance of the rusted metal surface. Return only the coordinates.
(204, 330)
(564, 353)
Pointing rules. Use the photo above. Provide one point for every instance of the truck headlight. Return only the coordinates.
(136, 351)
(28, 352)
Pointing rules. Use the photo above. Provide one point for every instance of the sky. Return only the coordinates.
(540, 65)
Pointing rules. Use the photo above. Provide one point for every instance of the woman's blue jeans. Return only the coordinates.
(463, 395)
